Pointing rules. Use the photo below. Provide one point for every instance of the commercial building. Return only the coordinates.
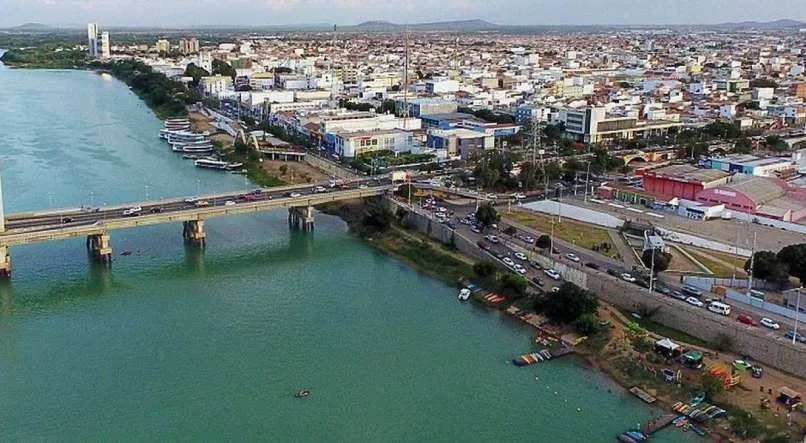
(426, 106)
(98, 44)
(441, 86)
(350, 144)
(163, 45)
(459, 142)
(764, 196)
(591, 125)
(215, 84)
(752, 165)
(681, 181)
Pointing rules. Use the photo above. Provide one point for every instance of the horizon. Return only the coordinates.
(273, 13)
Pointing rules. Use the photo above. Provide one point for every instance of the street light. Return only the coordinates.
(797, 316)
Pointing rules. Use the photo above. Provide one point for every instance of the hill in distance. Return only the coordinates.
(35, 27)
(459, 25)
(777, 24)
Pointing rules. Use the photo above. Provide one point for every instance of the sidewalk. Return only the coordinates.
(624, 251)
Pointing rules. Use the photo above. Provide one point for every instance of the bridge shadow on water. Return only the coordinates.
(199, 263)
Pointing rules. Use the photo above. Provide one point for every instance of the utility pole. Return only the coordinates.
(652, 270)
(797, 316)
(405, 113)
(587, 175)
(752, 262)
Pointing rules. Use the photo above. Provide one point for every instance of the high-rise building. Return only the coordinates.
(163, 46)
(92, 39)
(105, 45)
(189, 46)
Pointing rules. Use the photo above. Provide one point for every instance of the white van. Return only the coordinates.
(719, 308)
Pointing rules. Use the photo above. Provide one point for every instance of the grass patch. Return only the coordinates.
(717, 268)
(665, 331)
(423, 254)
(581, 234)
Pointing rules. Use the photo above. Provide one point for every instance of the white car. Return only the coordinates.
(508, 261)
(492, 239)
(695, 302)
(518, 267)
(572, 257)
(295, 195)
(362, 186)
(553, 274)
(229, 203)
(555, 289)
(766, 322)
(628, 277)
(319, 190)
(492, 196)
(135, 210)
(520, 256)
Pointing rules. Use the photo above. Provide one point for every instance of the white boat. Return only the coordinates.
(197, 149)
(464, 294)
(211, 164)
(174, 138)
(193, 143)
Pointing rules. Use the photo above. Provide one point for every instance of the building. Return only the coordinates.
(458, 142)
(752, 165)
(106, 45)
(591, 125)
(427, 106)
(441, 86)
(215, 84)
(681, 181)
(189, 46)
(350, 144)
(163, 46)
(763, 196)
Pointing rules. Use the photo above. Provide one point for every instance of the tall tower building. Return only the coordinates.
(92, 39)
(105, 45)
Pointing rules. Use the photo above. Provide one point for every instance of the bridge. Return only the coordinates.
(96, 223)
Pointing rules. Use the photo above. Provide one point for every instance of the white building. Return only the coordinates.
(351, 144)
(92, 39)
(441, 86)
(215, 84)
(105, 45)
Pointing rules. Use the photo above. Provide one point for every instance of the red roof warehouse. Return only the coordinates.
(764, 196)
(681, 181)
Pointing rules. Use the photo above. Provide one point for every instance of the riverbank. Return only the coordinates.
(623, 350)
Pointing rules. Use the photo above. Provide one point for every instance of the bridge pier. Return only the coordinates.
(193, 232)
(99, 247)
(5, 262)
(301, 218)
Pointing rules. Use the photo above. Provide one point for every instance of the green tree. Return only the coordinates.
(283, 169)
(588, 324)
(767, 266)
(223, 68)
(712, 385)
(795, 257)
(513, 284)
(486, 215)
(196, 73)
(743, 145)
(662, 260)
(484, 268)
(568, 304)
(776, 143)
(377, 217)
(543, 242)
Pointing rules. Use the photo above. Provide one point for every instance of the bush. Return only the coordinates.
(569, 303)
(543, 242)
(513, 284)
(588, 324)
(484, 268)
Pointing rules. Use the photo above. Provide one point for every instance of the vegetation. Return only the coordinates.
(795, 257)
(588, 324)
(581, 234)
(196, 72)
(767, 267)
(712, 385)
(166, 97)
(223, 68)
(377, 217)
(543, 242)
(484, 269)
(512, 284)
(568, 304)
(50, 55)
(486, 215)
(353, 106)
(661, 260)
(385, 159)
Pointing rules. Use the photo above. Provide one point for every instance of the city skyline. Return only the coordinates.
(348, 12)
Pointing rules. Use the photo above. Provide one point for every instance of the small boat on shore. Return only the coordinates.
(632, 437)
(464, 294)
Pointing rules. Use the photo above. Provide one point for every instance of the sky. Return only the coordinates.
(175, 13)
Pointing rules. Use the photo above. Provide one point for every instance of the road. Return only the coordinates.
(509, 245)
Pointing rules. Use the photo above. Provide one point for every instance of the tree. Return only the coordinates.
(223, 68)
(588, 324)
(486, 215)
(712, 385)
(795, 257)
(510, 230)
(378, 217)
(776, 144)
(196, 73)
(513, 284)
(765, 264)
(283, 169)
(743, 145)
(484, 268)
(568, 304)
(662, 260)
(543, 242)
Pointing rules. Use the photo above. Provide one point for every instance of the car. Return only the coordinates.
(451, 225)
(319, 190)
(133, 211)
(362, 186)
(508, 261)
(555, 289)
(67, 220)
(528, 239)
(520, 269)
(156, 210)
(742, 365)
(201, 203)
(537, 281)
(746, 319)
(678, 295)
(492, 239)
(520, 256)
(592, 265)
(257, 191)
(229, 203)
(535, 264)
(769, 323)
(628, 278)
(695, 302)
(483, 245)
(613, 272)
(572, 257)
(295, 195)
(663, 290)
(553, 274)
(191, 200)
(492, 196)
(476, 229)
(519, 196)
(796, 335)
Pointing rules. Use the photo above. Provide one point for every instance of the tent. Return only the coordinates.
(668, 348)
(692, 359)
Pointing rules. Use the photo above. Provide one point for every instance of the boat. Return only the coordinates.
(302, 393)
(197, 149)
(192, 156)
(464, 294)
(681, 421)
(211, 163)
(632, 437)
(234, 166)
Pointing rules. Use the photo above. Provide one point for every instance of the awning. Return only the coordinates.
(666, 343)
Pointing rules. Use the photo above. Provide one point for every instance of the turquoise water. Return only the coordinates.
(173, 343)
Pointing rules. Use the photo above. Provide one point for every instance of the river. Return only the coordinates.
(173, 343)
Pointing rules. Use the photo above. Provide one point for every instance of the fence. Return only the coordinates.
(740, 299)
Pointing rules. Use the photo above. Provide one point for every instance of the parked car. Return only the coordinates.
(201, 203)
(535, 264)
(796, 335)
(678, 295)
(156, 210)
(627, 277)
(67, 220)
(613, 272)
(555, 289)
(319, 190)
(769, 323)
(520, 256)
(572, 257)
(508, 261)
(483, 245)
(492, 239)
(553, 274)
(746, 319)
(520, 269)
(592, 265)
(694, 301)
(537, 281)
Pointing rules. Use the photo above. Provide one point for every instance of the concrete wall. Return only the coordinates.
(760, 344)
(330, 168)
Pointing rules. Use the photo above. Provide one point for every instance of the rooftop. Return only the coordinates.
(689, 172)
